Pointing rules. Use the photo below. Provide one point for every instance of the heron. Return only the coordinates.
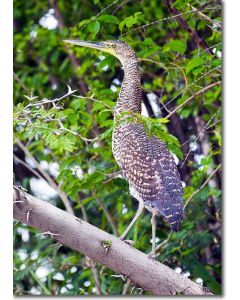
(144, 160)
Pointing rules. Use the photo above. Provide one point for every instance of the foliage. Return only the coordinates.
(74, 131)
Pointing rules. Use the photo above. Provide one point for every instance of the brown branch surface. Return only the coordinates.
(91, 241)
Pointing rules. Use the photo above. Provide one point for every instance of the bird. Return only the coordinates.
(144, 160)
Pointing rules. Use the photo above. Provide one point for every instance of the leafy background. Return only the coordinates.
(62, 148)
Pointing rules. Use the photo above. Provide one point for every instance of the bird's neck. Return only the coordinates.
(130, 96)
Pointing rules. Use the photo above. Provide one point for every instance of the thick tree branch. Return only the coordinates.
(102, 247)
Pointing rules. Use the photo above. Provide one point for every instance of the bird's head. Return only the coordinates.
(118, 49)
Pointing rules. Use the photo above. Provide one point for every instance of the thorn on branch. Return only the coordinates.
(28, 214)
(123, 277)
(18, 201)
(31, 97)
(90, 263)
(46, 101)
(47, 233)
(129, 242)
(20, 188)
(78, 220)
(57, 246)
(70, 91)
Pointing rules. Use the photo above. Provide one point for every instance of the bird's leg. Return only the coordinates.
(154, 227)
(138, 214)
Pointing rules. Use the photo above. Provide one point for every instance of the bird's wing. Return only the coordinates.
(152, 173)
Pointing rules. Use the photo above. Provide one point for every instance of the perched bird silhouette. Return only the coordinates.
(145, 161)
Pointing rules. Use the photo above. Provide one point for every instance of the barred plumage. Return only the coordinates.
(145, 161)
(150, 170)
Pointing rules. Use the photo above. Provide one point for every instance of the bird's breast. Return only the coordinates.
(120, 133)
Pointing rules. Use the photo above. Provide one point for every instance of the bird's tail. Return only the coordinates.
(175, 226)
(173, 212)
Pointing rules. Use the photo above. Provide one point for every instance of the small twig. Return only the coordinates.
(153, 61)
(192, 97)
(123, 277)
(20, 82)
(93, 99)
(108, 215)
(47, 233)
(27, 166)
(40, 283)
(202, 186)
(159, 21)
(28, 214)
(83, 209)
(203, 16)
(156, 22)
(193, 83)
(57, 246)
(73, 132)
(112, 176)
(48, 178)
(102, 11)
(182, 71)
(199, 42)
(91, 261)
(163, 243)
(198, 136)
(126, 287)
(46, 101)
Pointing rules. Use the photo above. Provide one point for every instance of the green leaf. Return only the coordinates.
(198, 70)
(194, 63)
(108, 61)
(108, 19)
(85, 119)
(179, 4)
(176, 150)
(216, 62)
(164, 120)
(94, 27)
(82, 23)
(107, 133)
(177, 46)
(202, 272)
(73, 118)
(129, 21)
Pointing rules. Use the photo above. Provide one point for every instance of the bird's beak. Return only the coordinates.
(95, 45)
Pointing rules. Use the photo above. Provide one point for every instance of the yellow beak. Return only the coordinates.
(95, 45)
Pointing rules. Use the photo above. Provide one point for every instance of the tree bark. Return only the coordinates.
(108, 250)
